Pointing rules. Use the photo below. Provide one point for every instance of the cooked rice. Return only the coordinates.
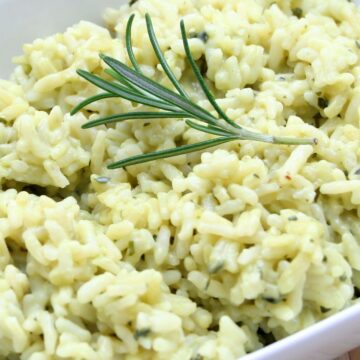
(205, 256)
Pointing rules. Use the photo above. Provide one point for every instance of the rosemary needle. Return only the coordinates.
(131, 84)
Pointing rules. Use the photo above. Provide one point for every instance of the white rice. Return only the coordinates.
(205, 256)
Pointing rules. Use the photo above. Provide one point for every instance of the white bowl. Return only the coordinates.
(22, 21)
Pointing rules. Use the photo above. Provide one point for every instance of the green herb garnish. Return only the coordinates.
(141, 333)
(131, 84)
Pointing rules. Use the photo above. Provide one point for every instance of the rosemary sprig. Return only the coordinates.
(131, 84)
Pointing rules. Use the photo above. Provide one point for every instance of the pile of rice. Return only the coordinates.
(206, 256)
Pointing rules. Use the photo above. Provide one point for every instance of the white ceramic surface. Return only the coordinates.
(22, 21)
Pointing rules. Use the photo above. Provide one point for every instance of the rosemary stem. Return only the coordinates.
(250, 135)
(294, 141)
(134, 86)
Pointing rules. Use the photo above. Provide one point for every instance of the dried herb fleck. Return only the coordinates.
(357, 172)
(293, 218)
(131, 249)
(141, 333)
(323, 103)
(215, 268)
(324, 309)
(207, 284)
(343, 278)
(132, 2)
(298, 12)
(203, 36)
(357, 43)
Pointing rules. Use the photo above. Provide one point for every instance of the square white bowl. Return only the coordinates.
(22, 21)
